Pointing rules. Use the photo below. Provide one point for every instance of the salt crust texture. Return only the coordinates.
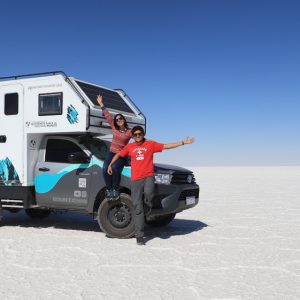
(241, 242)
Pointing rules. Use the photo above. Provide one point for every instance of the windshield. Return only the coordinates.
(99, 148)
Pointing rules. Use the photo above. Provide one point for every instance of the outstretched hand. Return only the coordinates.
(188, 140)
(109, 170)
(100, 101)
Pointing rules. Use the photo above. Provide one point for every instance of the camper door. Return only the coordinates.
(11, 135)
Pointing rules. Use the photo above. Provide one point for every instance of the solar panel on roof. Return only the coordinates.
(111, 99)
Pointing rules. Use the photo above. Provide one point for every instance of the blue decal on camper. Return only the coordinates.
(72, 114)
(44, 183)
(8, 173)
(126, 172)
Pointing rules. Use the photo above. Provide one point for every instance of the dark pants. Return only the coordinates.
(113, 181)
(138, 187)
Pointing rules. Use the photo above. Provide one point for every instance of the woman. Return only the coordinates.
(121, 136)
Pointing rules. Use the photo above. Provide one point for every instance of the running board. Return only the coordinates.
(8, 203)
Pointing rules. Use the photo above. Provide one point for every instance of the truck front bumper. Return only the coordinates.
(174, 198)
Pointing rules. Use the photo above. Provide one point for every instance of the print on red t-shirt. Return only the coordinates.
(141, 158)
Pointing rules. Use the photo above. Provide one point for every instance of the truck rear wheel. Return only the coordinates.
(37, 213)
(115, 218)
(161, 221)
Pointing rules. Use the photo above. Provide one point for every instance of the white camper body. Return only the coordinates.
(32, 106)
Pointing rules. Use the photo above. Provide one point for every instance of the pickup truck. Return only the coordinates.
(68, 177)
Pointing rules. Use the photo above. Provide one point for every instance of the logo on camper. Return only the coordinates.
(40, 124)
(72, 114)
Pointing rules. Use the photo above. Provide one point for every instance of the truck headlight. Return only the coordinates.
(163, 178)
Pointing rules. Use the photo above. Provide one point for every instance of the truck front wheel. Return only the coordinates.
(161, 221)
(115, 218)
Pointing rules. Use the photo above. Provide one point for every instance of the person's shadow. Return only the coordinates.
(176, 227)
(79, 221)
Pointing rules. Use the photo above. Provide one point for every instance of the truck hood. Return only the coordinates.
(170, 169)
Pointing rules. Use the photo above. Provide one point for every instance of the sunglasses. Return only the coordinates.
(119, 119)
(138, 134)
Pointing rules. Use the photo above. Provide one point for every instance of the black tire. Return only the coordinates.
(1, 214)
(161, 221)
(37, 213)
(115, 218)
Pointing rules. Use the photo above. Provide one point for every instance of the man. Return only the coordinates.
(142, 173)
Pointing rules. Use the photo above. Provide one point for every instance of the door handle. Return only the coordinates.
(44, 169)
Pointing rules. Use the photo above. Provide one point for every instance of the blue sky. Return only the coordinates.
(224, 71)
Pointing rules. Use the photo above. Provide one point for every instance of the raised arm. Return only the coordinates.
(178, 144)
(100, 101)
(105, 112)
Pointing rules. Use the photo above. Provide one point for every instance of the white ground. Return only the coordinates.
(241, 242)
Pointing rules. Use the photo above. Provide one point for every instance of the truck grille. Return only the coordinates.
(189, 193)
(181, 178)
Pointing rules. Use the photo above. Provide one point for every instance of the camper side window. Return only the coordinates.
(11, 106)
(50, 104)
(58, 150)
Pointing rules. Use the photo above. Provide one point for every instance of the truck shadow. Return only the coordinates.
(60, 220)
(79, 221)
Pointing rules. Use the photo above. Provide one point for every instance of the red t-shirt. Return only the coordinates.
(141, 158)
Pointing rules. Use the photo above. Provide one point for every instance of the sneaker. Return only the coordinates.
(108, 193)
(140, 241)
(115, 194)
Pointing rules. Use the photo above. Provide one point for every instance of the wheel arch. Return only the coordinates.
(101, 196)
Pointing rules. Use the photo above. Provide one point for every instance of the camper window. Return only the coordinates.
(50, 104)
(58, 150)
(11, 106)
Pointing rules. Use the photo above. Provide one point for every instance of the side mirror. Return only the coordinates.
(78, 158)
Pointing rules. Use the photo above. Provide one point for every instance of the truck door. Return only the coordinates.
(11, 135)
(59, 182)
